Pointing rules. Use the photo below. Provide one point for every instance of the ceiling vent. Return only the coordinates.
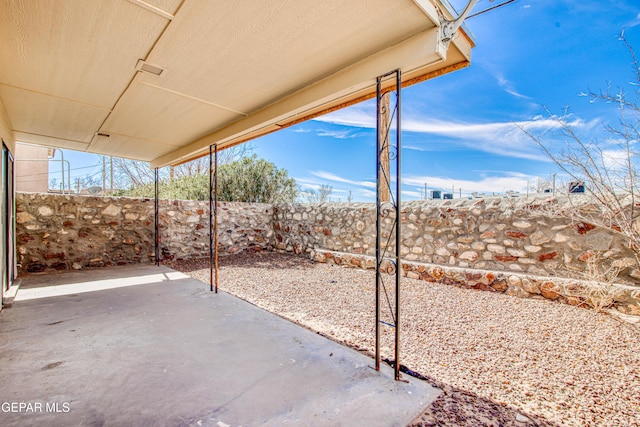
(149, 68)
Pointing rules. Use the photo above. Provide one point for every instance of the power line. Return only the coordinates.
(473, 15)
(47, 173)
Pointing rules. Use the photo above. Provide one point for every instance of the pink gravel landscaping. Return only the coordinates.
(501, 360)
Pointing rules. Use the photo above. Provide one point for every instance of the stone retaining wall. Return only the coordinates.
(624, 299)
(493, 234)
(496, 245)
(184, 228)
(62, 232)
(72, 232)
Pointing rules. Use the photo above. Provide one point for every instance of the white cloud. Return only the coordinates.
(615, 161)
(413, 185)
(341, 187)
(368, 194)
(509, 181)
(414, 147)
(310, 183)
(508, 87)
(335, 178)
(410, 193)
(308, 186)
(500, 138)
(340, 134)
(356, 116)
(488, 182)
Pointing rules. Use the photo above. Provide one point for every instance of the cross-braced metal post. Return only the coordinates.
(388, 211)
(156, 209)
(213, 218)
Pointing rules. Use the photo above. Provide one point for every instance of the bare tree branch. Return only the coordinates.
(319, 195)
(608, 167)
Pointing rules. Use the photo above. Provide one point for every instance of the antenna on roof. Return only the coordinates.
(449, 28)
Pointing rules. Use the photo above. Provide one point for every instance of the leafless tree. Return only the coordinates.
(319, 195)
(131, 173)
(201, 165)
(546, 184)
(608, 166)
(135, 173)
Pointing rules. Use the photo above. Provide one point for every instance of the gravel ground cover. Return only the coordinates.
(501, 360)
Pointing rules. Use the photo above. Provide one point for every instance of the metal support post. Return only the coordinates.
(210, 219)
(213, 218)
(156, 219)
(398, 220)
(388, 211)
(378, 227)
(215, 214)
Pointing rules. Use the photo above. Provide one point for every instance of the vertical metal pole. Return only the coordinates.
(156, 219)
(379, 142)
(62, 164)
(398, 221)
(215, 214)
(384, 197)
(111, 173)
(211, 218)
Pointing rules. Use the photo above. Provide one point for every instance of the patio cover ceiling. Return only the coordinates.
(70, 72)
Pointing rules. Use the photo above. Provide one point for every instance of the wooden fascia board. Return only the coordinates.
(368, 95)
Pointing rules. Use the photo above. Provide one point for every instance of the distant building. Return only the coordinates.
(32, 168)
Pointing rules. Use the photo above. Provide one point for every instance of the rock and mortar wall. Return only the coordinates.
(500, 245)
(494, 244)
(184, 228)
(62, 232)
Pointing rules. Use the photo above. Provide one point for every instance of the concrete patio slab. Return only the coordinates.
(149, 346)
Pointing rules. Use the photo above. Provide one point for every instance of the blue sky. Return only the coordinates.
(458, 129)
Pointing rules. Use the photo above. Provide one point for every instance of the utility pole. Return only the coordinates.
(385, 182)
(111, 171)
(104, 174)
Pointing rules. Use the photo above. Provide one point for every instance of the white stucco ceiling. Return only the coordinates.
(233, 70)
